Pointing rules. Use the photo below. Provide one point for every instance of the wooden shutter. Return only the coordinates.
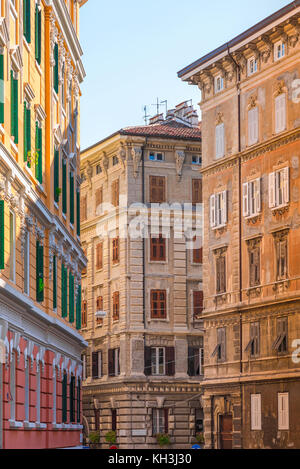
(64, 291)
(95, 365)
(158, 249)
(39, 151)
(157, 189)
(255, 412)
(111, 362)
(116, 306)
(224, 207)
(1, 89)
(78, 401)
(2, 235)
(170, 361)
(71, 198)
(72, 399)
(99, 200)
(286, 186)
(14, 108)
(71, 298)
(54, 273)
(78, 211)
(283, 411)
(83, 207)
(197, 252)
(26, 20)
(64, 398)
(99, 256)
(272, 193)
(197, 303)
(197, 191)
(166, 422)
(114, 420)
(78, 309)
(257, 195)
(147, 361)
(115, 248)
(56, 78)
(64, 188)
(39, 272)
(213, 211)
(56, 176)
(246, 211)
(38, 34)
(191, 361)
(115, 193)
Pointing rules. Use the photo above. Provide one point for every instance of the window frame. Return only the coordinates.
(158, 300)
(161, 243)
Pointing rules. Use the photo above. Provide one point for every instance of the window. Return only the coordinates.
(283, 411)
(27, 133)
(99, 256)
(64, 186)
(113, 420)
(54, 273)
(114, 362)
(252, 198)
(98, 169)
(220, 141)
(78, 211)
(99, 307)
(197, 251)
(71, 185)
(38, 34)
(84, 271)
(280, 113)
(26, 263)
(96, 364)
(159, 361)
(196, 191)
(197, 159)
(115, 250)
(116, 306)
(2, 88)
(72, 399)
(115, 193)
(253, 126)
(281, 342)
(220, 350)
(64, 398)
(279, 190)
(195, 361)
(78, 400)
(197, 303)
(153, 156)
(39, 272)
(281, 258)
(159, 421)
(57, 189)
(39, 152)
(158, 249)
(157, 189)
(252, 66)
(84, 314)
(158, 304)
(99, 200)
(255, 411)
(254, 266)
(218, 210)
(14, 103)
(279, 50)
(78, 308)
(83, 208)
(71, 298)
(56, 69)
(64, 291)
(219, 84)
(220, 274)
(254, 343)
(115, 160)
(83, 359)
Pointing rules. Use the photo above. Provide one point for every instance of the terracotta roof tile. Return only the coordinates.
(167, 129)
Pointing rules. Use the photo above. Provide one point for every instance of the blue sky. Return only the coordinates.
(133, 50)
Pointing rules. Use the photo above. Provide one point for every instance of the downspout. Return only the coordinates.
(143, 202)
(238, 71)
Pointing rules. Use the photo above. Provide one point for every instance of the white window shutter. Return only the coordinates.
(272, 198)
(255, 412)
(257, 195)
(280, 113)
(286, 185)
(283, 411)
(224, 207)
(253, 126)
(222, 146)
(212, 211)
(220, 141)
(246, 199)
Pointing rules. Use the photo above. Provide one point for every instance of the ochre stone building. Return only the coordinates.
(142, 296)
(40, 254)
(251, 274)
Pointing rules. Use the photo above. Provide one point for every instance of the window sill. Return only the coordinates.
(219, 227)
(38, 67)
(280, 209)
(72, 226)
(56, 206)
(64, 217)
(41, 189)
(29, 425)
(14, 146)
(26, 44)
(15, 425)
(2, 131)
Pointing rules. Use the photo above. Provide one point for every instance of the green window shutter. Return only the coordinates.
(71, 298)
(1, 89)
(56, 175)
(78, 308)
(78, 401)
(39, 272)
(72, 399)
(39, 153)
(1, 234)
(38, 34)
(64, 188)
(54, 273)
(64, 292)
(26, 20)
(14, 107)
(72, 198)
(78, 211)
(56, 80)
(27, 134)
(64, 398)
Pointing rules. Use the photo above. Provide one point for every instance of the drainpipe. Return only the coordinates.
(238, 71)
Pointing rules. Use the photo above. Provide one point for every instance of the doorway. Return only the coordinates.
(225, 431)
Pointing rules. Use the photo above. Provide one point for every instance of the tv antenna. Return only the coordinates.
(146, 115)
(160, 103)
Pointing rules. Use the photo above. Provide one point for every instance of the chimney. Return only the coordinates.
(156, 119)
(180, 110)
(170, 114)
(192, 117)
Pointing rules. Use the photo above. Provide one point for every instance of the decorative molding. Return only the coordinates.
(122, 156)
(179, 158)
(105, 165)
(219, 118)
(4, 33)
(252, 103)
(136, 154)
(16, 58)
(39, 112)
(29, 93)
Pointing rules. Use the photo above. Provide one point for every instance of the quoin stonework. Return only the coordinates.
(251, 158)
(142, 291)
(40, 254)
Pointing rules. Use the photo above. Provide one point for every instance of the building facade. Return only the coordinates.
(40, 254)
(142, 291)
(251, 153)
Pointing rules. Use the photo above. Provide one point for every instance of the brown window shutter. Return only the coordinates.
(115, 249)
(197, 191)
(99, 256)
(157, 189)
(166, 416)
(147, 358)
(99, 197)
(83, 208)
(111, 363)
(158, 249)
(221, 275)
(197, 254)
(170, 361)
(84, 314)
(158, 304)
(95, 365)
(198, 303)
(116, 306)
(115, 193)
(114, 420)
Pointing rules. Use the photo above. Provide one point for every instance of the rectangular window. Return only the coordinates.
(154, 156)
(279, 50)
(197, 303)
(39, 272)
(56, 176)
(83, 207)
(1, 89)
(38, 34)
(196, 191)
(64, 188)
(39, 153)
(64, 398)
(97, 364)
(115, 193)
(64, 291)
(220, 350)
(99, 200)
(158, 304)
(84, 314)
(115, 251)
(78, 210)
(252, 66)
(14, 102)
(113, 420)
(158, 360)
(116, 306)
(253, 126)
(12, 246)
(71, 298)
(72, 399)
(55, 70)
(2, 235)
(159, 421)
(280, 113)
(218, 210)
(279, 190)
(254, 343)
(26, 263)
(283, 411)
(99, 307)
(197, 251)
(99, 256)
(26, 20)
(197, 159)
(219, 84)
(114, 362)
(158, 249)
(78, 308)
(254, 265)
(220, 141)
(72, 198)
(54, 283)
(281, 258)
(220, 274)
(195, 361)
(157, 189)
(281, 342)
(252, 198)
(255, 411)
(27, 134)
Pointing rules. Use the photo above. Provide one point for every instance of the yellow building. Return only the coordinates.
(40, 254)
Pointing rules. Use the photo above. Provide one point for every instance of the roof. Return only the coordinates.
(166, 129)
(241, 37)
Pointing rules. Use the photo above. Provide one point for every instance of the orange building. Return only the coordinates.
(40, 253)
